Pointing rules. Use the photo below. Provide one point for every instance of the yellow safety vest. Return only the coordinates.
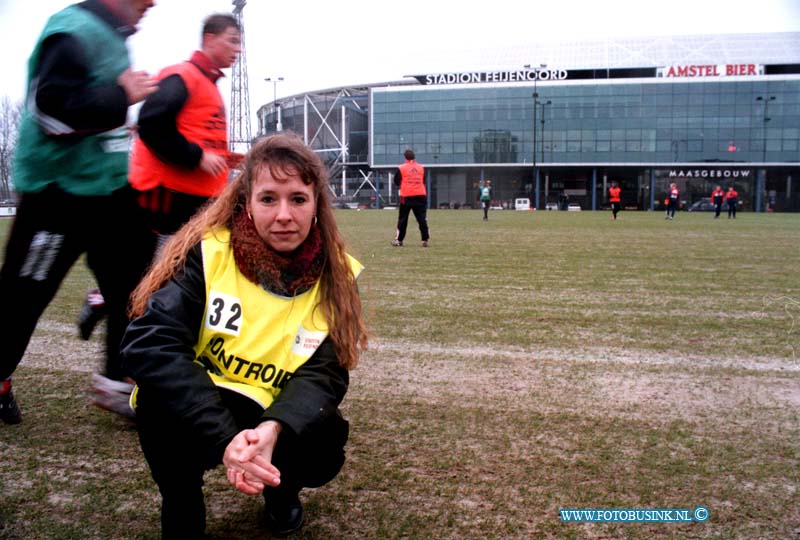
(252, 340)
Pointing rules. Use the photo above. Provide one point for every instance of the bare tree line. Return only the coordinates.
(10, 115)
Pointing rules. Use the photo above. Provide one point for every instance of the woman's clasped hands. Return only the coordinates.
(248, 458)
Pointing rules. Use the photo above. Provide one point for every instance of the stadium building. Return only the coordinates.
(699, 111)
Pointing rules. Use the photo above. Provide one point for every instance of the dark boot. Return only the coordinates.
(283, 511)
(183, 516)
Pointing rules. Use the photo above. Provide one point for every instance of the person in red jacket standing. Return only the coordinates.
(673, 195)
(732, 199)
(413, 198)
(614, 198)
(716, 199)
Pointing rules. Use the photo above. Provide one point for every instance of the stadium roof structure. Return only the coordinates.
(756, 48)
(608, 53)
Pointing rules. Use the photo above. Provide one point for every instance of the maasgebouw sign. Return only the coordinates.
(709, 173)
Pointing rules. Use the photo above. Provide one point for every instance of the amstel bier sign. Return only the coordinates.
(711, 70)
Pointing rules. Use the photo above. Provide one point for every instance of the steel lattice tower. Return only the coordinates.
(239, 126)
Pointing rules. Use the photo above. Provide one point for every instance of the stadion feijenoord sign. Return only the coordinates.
(473, 77)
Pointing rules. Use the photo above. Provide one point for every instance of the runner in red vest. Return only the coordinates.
(413, 198)
(732, 199)
(615, 200)
(180, 158)
(716, 199)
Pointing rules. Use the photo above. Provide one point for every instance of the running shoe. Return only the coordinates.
(92, 312)
(113, 396)
(9, 410)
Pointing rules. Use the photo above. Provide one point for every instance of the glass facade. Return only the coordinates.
(641, 133)
(658, 122)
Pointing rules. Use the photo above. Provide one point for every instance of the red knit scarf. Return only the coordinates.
(284, 274)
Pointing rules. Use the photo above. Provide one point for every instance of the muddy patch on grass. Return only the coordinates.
(591, 380)
(659, 388)
(587, 354)
(57, 346)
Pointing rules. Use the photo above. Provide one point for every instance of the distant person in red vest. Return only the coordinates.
(413, 198)
(716, 199)
(732, 199)
(673, 196)
(615, 200)
(180, 158)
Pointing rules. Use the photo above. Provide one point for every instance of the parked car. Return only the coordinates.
(703, 205)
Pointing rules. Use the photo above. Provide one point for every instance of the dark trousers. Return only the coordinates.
(178, 457)
(671, 206)
(418, 205)
(486, 209)
(615, 206)
(732, 209)
(717, 208)
(51, 231)
(166, 211)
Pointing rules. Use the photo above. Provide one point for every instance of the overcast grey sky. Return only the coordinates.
(316, 45)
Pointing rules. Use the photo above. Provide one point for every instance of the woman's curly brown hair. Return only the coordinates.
(283, 153)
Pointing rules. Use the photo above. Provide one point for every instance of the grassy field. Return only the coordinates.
(534, 362)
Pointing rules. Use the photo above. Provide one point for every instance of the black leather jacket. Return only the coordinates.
(158, 352)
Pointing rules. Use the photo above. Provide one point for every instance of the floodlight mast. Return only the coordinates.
(275, 109)
(239, 135)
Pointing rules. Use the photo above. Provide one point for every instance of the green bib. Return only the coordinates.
(80, 165)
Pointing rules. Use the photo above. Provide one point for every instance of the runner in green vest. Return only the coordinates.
(70, 170)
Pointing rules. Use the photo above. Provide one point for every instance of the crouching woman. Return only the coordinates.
(244, 333)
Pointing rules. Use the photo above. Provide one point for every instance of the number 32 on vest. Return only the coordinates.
(223, 313)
